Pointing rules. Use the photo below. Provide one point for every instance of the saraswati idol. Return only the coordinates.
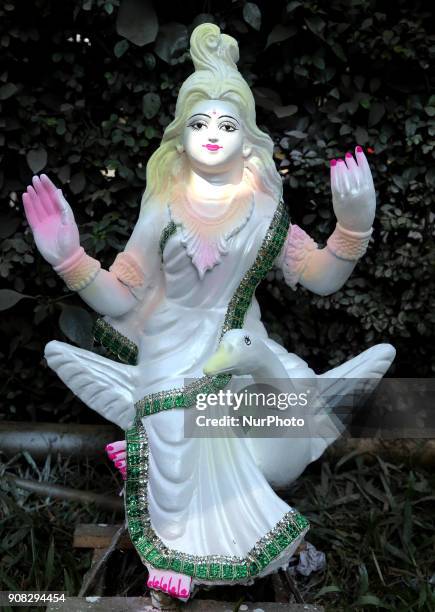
(178, 308)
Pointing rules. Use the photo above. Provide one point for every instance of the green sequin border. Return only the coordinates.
(167, 232)
(149, 546)
(209, 568)
(116, 343)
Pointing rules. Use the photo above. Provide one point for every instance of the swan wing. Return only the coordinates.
(102, 384)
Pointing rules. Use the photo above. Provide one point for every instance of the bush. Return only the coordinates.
(86, 94)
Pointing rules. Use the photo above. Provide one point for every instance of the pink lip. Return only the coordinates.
(212, 147)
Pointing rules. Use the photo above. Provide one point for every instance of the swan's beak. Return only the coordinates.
(219, 362)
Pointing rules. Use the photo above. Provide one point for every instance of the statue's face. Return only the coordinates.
(213, 136)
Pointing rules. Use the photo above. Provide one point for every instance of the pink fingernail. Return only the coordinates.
(359, 149)
(333, 162)
(109, 447)
(341, 161)
(348, 154)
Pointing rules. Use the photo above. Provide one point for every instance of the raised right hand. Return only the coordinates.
(52, 221)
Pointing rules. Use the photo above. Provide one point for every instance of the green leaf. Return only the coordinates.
(364, 578)
(266, 98)
(7, 91)
(430, 178)
(316, 24)
(149, 60)
(120, 48)
(327, 589)
(361, 135)
(76, 323)
(285, 111)
(252, 15)
(77, 183)
(9, 297)
(49, 565)
(171, 41)
(296, 134)
(319, 62)
(137, 22)
(291, 6)
(371, 600)
(280, 33)
(338, 50)
(377, 111)
(37, 159)
(150, 105)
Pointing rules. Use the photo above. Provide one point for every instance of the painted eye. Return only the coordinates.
(227, 127)
(247, 340)
(198, 125)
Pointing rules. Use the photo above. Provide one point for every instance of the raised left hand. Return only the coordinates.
(353, 192)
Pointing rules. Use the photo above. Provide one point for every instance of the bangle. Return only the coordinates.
(79, 270)
(349, 245)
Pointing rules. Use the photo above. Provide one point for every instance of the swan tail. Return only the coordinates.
(371, 363)
(102, 384)
(359, 375)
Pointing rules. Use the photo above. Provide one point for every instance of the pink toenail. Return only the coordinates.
(333, 162)
(359, 149)
(348, 154)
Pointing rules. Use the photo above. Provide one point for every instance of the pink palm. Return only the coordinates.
(51, 220)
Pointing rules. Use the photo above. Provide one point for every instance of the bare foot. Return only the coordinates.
(117, 452)
(176, 585)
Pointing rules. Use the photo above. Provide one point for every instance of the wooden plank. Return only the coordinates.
(143, 604)
(88, 535)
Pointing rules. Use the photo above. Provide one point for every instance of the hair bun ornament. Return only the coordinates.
(211, 50)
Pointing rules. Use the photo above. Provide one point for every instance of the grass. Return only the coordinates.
(376, 523)
(36, 533)
(374, 520)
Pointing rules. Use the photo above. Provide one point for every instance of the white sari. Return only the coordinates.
(201, 506)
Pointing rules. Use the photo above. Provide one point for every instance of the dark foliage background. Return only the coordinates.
(86, 90)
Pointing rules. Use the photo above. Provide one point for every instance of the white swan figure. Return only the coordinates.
(283, 459)
(112, 389)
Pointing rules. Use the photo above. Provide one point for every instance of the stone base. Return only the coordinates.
(144, 604)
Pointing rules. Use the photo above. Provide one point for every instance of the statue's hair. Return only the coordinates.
(215, 78)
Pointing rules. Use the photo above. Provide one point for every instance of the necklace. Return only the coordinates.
(207, 226)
